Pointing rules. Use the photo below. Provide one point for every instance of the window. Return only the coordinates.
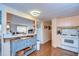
(21, 29)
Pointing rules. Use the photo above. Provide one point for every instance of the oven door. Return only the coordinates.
(73, 42)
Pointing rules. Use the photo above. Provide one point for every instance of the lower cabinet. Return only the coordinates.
(20, 44)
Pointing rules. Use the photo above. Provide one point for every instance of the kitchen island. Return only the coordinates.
(15, 43)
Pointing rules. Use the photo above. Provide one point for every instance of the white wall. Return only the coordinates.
(54, 32)
(44, 35)
(46, 32)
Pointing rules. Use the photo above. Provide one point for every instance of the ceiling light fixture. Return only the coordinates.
(35, 13)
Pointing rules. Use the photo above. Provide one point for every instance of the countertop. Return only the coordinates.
(14, 37)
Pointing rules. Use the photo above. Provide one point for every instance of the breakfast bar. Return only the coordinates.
(19, 42)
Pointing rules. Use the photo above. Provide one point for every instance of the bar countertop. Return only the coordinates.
(17, 36)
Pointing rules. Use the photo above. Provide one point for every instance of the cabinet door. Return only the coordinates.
(32, 41)
(0, 31)
(21, 45)
(0, 21)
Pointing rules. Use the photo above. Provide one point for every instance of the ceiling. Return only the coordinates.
(48, 10)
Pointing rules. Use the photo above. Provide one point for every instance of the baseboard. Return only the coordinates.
(45, 41)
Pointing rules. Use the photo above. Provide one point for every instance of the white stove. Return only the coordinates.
(70, 38)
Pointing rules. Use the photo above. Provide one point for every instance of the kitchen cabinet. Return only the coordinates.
(20, 44)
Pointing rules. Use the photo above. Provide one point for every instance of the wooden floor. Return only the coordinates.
(48, 50)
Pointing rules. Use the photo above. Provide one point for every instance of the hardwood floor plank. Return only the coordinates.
(48, 50)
